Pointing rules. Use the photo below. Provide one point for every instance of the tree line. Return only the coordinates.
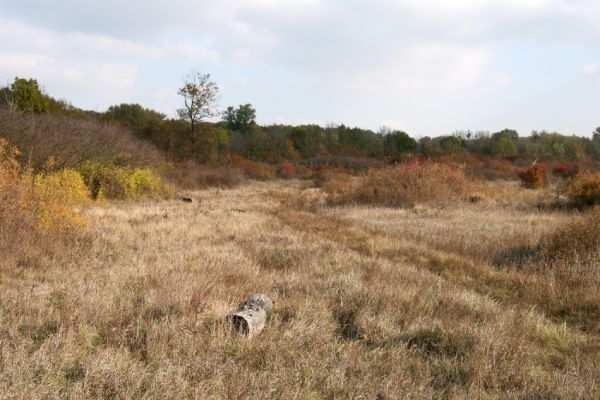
(190, 136)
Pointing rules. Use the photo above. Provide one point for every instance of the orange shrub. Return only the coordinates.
(584, 190)
(258, 170)
(534, 177)
(286, 170)
(406, 184)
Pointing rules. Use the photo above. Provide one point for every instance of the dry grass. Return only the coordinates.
(369, 303)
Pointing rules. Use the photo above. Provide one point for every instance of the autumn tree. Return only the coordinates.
(200, 97)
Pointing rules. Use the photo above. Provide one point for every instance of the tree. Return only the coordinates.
(504, 143)
(26, 95)
(200, 96)
(397, 142)
(143, 121)
(240, 119)
(452, 144)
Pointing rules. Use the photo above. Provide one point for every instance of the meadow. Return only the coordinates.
(491, 296)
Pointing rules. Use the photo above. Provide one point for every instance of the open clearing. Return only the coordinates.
(369, 303)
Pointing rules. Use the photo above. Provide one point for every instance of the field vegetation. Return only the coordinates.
(466, 266)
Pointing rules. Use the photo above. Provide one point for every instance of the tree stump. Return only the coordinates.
(252, 316)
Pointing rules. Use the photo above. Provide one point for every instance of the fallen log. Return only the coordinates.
(251, 318)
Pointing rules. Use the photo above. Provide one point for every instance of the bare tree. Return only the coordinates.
(200, 96)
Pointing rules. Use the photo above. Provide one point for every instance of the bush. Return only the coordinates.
(192, 175)
(534, 177)
(57, 193)
(584, 190)
(565, 170)
(37, 209)
(71, 141)
(258, 170)
(404, 185)
(286, 170)
(578, 239)
(113, 182)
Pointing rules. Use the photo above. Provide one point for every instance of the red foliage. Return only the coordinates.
(565, 170)
(534, 177)
(258, 170)
(286, 170)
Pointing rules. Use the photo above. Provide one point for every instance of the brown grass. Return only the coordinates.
(369, 303)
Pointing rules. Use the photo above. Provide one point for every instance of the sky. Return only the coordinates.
(428, 67)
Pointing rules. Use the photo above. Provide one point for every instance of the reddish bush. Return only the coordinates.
(286, 170)
(565, 170)
(534, 177)
(258, 170)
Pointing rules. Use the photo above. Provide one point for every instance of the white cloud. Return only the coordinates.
(590, 69)
(317, 59)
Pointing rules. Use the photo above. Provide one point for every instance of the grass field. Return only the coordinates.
(370, 303)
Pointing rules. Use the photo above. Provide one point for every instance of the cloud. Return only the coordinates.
(591, 70)
(318, 60)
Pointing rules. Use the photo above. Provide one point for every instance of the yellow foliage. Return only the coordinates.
(58, 193)
(113, 182)
(35, 203)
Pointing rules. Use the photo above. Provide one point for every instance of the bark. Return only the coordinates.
(250, 320)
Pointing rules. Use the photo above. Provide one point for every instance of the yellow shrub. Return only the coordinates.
(37, 203)
(113, 182)
(143, 182)
(58, 193)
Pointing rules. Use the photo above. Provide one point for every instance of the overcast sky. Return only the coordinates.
(428, 67)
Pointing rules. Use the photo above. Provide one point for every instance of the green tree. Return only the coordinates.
(199, 96)
(142, 121)
(308, 140)
(26, 95)
(398, 142)
(452, 144)
(240, 119)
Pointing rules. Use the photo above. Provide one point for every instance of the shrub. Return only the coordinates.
(37, 209)
(192, 175)
(584, 190)
(286, 170)
(71, 141)
(57, 194)
(534, 177)
(406, 184)
(113, 182)
(355, 164)
(578, 239)
(258, 170)
(565, 170)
